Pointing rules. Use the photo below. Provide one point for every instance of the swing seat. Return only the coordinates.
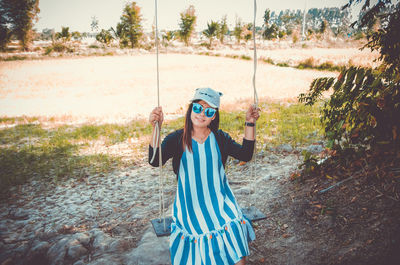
(251, 213)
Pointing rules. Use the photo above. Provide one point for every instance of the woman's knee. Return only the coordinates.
(242, 261)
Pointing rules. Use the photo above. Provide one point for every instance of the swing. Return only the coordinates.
(162, 225)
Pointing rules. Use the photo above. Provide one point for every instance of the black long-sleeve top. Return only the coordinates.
(172, 147)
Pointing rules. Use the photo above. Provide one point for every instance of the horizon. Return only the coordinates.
(55, 14)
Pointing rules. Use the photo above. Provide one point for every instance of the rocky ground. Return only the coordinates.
(105, 219)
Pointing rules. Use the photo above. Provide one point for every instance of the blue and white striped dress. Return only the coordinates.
(208, 225)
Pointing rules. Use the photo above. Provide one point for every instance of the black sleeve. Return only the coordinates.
(168, 147)
(242, 152)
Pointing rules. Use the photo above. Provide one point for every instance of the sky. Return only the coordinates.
(77, 14)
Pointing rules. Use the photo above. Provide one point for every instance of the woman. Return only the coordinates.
(208, 225)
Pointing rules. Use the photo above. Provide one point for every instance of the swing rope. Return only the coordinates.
(157, 134)
(253, 168)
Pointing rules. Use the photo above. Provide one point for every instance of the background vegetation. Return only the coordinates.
(17, 19)
(361, 119)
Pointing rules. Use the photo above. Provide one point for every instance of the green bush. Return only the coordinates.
(104, 37)
(359, 35)
(282, 64)
(363, 111)
(307, 63)
(268, 60)
(59, 47)
(15, 58)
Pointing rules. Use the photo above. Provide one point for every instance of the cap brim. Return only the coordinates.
(211, 104)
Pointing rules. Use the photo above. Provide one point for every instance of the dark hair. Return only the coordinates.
(187, 130)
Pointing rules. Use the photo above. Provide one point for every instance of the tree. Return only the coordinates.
(119, 34)
(222, 30)
(167, 36)
(5, 34)
(76, 35)
(238, 29)
(187, 24)
(130, 29)
(17, 18)
(266, 17)
(322, 27)
(211, 31)
(94, 25)
(248, 32)
(271, 32)
(105, 36)
(48, 34)
(64, 35)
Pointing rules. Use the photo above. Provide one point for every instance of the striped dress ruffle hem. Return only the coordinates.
(208, 225)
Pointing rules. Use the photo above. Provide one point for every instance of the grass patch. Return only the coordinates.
(268, 60)
(310, 63)
(108, 54)
(233, 56)
(14, 58)
(30, 151)
(20, 132)
(282, 64)
(295, 125)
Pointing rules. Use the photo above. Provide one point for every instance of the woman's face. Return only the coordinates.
(201, 120)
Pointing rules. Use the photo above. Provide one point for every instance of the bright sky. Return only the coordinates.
(76, 14)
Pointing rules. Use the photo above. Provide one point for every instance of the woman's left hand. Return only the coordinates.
(252, 113)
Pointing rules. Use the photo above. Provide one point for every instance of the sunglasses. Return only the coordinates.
(209, 112)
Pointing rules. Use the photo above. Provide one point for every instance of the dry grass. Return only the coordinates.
(294, 56)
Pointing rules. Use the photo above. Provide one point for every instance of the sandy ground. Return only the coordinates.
(122, 87)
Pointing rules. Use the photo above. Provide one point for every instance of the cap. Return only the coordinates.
(209, 95)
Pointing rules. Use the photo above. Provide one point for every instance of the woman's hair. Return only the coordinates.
(187, 130)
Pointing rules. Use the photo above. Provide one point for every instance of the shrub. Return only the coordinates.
(104, 37)
(59, 47)
(363, 111)
(308, 63)
(268, 60)
(295, 37)
(283, 64)
(48, 50)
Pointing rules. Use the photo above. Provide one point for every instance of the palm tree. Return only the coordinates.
(211, 31)
(64, 35)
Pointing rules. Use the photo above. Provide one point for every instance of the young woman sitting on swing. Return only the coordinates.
(208, 225)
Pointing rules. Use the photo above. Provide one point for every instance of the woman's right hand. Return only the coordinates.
(156, 116)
